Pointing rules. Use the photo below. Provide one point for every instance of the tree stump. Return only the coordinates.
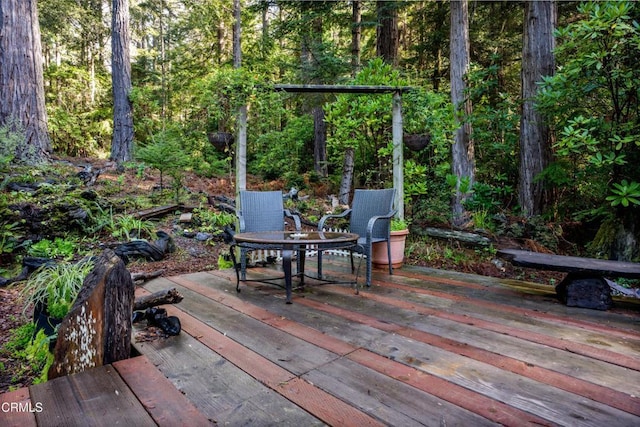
(97, 329)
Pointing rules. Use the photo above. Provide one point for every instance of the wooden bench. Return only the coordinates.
(585, 285)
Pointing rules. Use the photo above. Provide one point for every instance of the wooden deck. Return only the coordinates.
(130, 392)
(421, 347)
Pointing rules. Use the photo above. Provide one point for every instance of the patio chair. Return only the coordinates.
(369, 217)
(261, 211)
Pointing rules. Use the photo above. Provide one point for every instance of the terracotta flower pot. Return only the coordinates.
(379, 255)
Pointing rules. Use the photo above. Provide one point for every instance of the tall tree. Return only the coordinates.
(462, 150)
(122, 141)
(535, 136)
(356, 35)
(387, 37)
(21, 79)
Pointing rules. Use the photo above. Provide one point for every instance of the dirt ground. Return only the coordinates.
(192, 255)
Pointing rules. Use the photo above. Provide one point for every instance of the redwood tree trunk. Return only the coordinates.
(122, 142)
(535, 136)
(387, 39)
(462, 150)
(356, 34)
(21, 79)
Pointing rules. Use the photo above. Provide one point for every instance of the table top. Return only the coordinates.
(295, 237)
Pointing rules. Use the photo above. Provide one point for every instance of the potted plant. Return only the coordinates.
(427, 119)
(51, 291)
(399, 232)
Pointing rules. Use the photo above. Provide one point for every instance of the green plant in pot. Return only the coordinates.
(51, 291)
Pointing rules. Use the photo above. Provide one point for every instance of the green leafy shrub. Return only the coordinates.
(165, 154)
(282, 152)
(59, 247)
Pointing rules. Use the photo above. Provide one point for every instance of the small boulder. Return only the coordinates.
(585, 292)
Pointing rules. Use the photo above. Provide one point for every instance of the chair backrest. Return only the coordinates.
(261, 210)
(370, 203)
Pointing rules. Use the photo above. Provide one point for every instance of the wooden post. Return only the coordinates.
(398, 158)
(97, 329)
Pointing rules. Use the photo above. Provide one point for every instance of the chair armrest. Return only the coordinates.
(373, 219)
(296, 219)
(332, 216)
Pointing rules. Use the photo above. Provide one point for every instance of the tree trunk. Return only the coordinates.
(347, 176)
(387, 39)
(22, 106)
(122, 142)
(97, 329)
(535, 136)
(462, 150)
(356, 33)
(320, 142)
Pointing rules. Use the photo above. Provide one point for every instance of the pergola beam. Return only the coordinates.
(340, 88)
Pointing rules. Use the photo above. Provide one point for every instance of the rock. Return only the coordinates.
(585, 292)
(203, 237)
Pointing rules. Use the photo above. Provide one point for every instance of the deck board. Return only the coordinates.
(97, 397)
(420, 347)
(427, 347)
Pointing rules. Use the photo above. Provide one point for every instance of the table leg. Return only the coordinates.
(286, 266)
(301, 257)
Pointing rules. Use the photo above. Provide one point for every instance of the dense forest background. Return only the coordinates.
(196, 67)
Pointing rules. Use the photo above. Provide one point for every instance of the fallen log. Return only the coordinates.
(157, 211)
(144, 277)
(462, 236)
(167, 296)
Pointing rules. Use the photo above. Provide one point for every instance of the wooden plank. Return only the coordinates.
(626, 403)
(507, 394)
(219, 389)
(595, 380)
(17, 409)
(160, 398)
(502, 357)
(571, 264)
(305, 395)
(96, 397)
(270, 313)
(608, 349)
(394, 402)
(514, 414)
(253, 334)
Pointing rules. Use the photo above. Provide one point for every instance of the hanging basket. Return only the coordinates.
(416, 142)
(220, 140)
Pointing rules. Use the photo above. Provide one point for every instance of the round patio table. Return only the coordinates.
(289, 242)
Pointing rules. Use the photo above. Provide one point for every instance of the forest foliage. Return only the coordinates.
(185, 88)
